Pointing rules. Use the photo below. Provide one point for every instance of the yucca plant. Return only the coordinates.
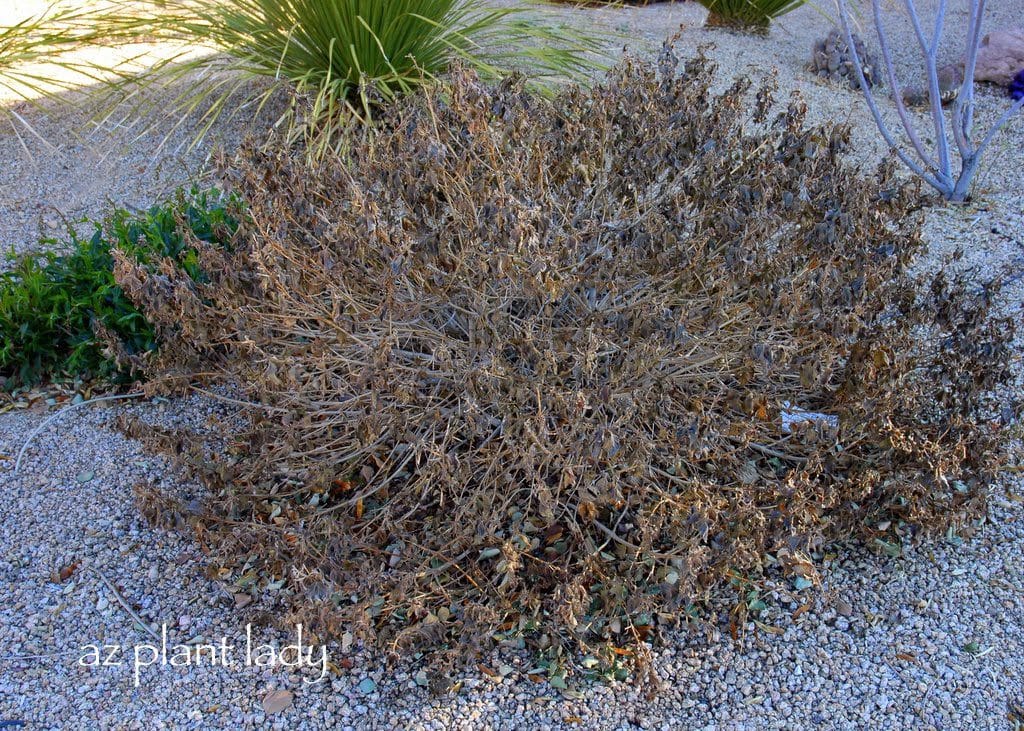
(347, 55)
(752, 16)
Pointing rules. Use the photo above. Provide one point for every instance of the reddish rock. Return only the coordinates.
(1000, 56)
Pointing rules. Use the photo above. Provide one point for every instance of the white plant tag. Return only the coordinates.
(791, 416)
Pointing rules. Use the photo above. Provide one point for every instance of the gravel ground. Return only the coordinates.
(63, 170)
(931, 639)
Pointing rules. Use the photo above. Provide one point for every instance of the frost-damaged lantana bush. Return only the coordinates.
(519, 366)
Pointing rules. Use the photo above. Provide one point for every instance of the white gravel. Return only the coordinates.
(932, 639)
(63, 170)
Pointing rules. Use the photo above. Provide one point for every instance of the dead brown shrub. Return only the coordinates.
(520, 365)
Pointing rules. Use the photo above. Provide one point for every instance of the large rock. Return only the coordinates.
(1000, 56)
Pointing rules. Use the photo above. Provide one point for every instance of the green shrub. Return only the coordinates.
(52, 306)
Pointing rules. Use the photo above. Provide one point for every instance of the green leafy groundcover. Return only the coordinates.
(53, 306)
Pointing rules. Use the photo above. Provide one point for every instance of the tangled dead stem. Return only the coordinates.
(521, 363)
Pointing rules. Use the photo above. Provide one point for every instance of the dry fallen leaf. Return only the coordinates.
(802, 608)
(59, 577)
(276, 701)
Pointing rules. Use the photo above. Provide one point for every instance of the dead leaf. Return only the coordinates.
(276, 701)
(242, 600)
(59, 577)
(587, 511)
(802, 608)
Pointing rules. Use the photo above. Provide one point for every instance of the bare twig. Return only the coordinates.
(124, 604)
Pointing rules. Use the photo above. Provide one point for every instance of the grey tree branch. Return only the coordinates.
(937, 169)
(873, 105)
(930, 54)
(901, 107)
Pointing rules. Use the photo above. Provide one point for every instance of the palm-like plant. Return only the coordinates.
(748, 15)
(346, 53)
(30, 39)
